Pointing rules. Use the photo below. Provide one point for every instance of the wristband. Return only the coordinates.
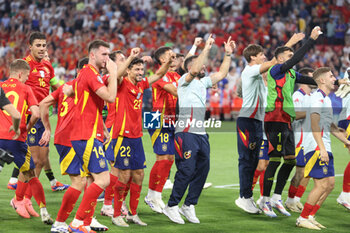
(193, 50)
(229, 55)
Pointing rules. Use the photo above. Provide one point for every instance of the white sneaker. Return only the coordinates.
(59, 227)
(190, 213)
(258, 202)
(119, 221)
(207, 185)
(313, 220)
(45, 216)
(279, 206)
(168, 184)
(305, 223)
(153, 204)
(291, 205)
(96, 226)
(107, 210)
(342, 201)
(247, 204)
(299, 205)
(160, 203)
(267, 209)
(173, 214)
(135, 219)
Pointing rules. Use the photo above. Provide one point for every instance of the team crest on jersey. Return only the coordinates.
(102, 163)
(126, 162)
(42, 73)
(261, 153)
(31, 139)
(252, 145)
(138, 95)
(174, 83)
(325, 170)
(188, 154)
(165, 79)
(279, 147)
(99, 79)
(164, 147)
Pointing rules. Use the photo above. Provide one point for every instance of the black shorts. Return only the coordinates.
(281, 137)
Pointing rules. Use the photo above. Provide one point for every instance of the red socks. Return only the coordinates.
(159, 174)
(307, 210)
(314, 210)
(261, 183)
(346, 180)
(70, 197)
(37, 191)
(28, 192)
(292, 191)
(88, 204)
(255, 178)
(119, 195)
(300, 191)
(20, 190)
(109, 192)
(135, 191)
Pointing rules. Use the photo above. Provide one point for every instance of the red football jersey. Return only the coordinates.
(39, 78)
(129, 109)
(163, 101)
(88, 122)
(65, 116)
(22, 97)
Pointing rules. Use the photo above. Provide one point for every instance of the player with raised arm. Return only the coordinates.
(317, 147)
(298, 183)
(123, 63)
(164, 95)
(23, 99)
(126, 138)
(279, 114)
(192, 148)
(250, 120)
(89, 131)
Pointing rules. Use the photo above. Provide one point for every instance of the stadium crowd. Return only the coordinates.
(150, 24)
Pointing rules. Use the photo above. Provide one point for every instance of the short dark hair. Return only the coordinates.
(82, 62)
(319, 72)
(159, 52)
(95, 44)
(36, 36)
(113, 55)
(306, 70)
(135, 61)
(252, 50)
(18, 65)
(188, 61)
(282, 49)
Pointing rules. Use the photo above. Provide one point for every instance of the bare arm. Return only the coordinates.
(292, 41)
(300, 115)
(122, 68)
(339, 134)
(200, 61)
(225, 65)
(109, 93)
(162, 70)
(316, 132)
(34, 118)
(192, 52)
(44, 115)
(171, 89)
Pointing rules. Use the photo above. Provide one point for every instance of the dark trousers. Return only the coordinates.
(192, 161)
(249, 139)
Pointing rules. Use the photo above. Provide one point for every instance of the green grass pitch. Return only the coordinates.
(216, 209)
